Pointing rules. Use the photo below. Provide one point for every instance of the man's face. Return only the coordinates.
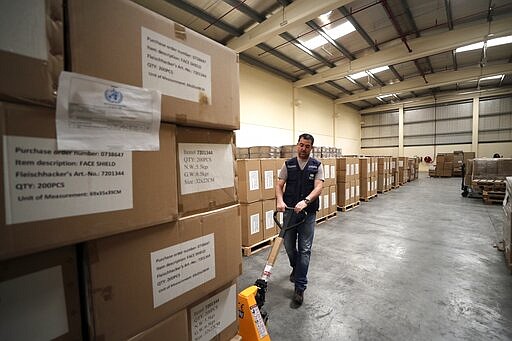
(304, 148)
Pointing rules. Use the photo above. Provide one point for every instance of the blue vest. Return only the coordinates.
(300, 183)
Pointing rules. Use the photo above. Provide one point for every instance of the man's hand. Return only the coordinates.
(280, 205)
(300, 206)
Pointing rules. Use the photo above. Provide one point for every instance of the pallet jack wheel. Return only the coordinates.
(465, 193)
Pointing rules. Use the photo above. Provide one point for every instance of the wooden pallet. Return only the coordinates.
(260, 246)
(493, 197)
(383, 191)
(325, 218)
(366, 199)
(347, 208)
(488, 185)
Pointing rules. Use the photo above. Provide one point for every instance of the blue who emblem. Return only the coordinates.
(113, 95)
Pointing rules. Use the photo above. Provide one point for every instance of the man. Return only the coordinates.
(304, 179)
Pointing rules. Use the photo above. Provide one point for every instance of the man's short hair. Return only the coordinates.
(308, 137)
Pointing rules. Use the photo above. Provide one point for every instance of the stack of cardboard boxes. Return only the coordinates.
(403, 169)
(327, 199)
(256, 181)
(368, 177)
(347, 181)
(395, 173)
(383, 174)
(507, 224)
(157, 232)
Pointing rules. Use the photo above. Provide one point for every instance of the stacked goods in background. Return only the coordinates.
(412, 168)
(468, 167)
(242, 153)
(347, 182)
(261, 152)
(507, 223)
(395, 172)
(383, 174)
(328, 197)
(458, 161)
(256, 180)
(158, 232)
(288, 151)
(367, 177)
(488, 178)
(403, 169)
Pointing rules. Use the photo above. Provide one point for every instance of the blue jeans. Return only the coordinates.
(298, 243)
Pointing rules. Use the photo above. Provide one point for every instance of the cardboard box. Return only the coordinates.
(504, 168)
(197, 76)
(249, 180)
(326, 199)
(267, 179)
(365, 188)
(140, 278)
(332, 199)
(278, 164)
(172, 328)
(365, 167)
(57, 198)
(343, 194)
(40, 297)
(206, 169)
(214, 317)
(329, 171)
(32, 53)
(252, 223)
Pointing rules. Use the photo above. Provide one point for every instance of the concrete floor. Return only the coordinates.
(415, 263)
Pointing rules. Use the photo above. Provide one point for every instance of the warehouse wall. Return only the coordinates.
(347, 127)
(273, 113)
(488, 149)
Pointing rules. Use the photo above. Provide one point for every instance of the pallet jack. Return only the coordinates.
(251, 316)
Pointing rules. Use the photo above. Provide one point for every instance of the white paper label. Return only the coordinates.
(175, 69)
(326, 201)
(333, 198)
(255, 223)
(369, 188)
(401, 164)
(96, 114)
(320, 202)
(357, 169)
(393, 164)
(33, 306)
(333, 171)
(180, 268)
(327, 173)
(352, 169)
(347, 193)
(209, 318)
(269, 219)
(368, 168)
(254, 180)
(352, 191)
(43, 183)
(269, 179)
(357, 191)
(205, 167)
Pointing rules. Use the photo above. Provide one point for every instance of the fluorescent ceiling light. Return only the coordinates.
(365, 73)
(490, 43)
(334, 33)
(490, 78)
(324, 18)
(384, 96)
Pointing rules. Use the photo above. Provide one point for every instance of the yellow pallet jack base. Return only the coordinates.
(252, 326)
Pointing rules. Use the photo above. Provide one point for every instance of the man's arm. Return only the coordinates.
(280, 205)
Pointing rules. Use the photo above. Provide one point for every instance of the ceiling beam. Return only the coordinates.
(421, 47)
(293, 15)
(434, 80)
(443, 97)
(248, 11)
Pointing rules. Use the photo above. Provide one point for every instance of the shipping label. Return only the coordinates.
(255, 223)
(269, 179)
(42, 182)
(205, 167)
(269, 219)
(327, 173)
(333, 171)
(209, 318)
(326, 200)
(175, 69)
(100, 115)
(183, 267)
(347, 193)
(254, 180)
(333, 198)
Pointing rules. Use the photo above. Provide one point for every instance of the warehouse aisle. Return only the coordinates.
(416, 263)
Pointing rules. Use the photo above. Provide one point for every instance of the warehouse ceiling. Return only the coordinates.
(364, 53)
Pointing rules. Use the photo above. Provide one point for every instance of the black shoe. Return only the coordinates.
(292, 276)
(298, 296)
